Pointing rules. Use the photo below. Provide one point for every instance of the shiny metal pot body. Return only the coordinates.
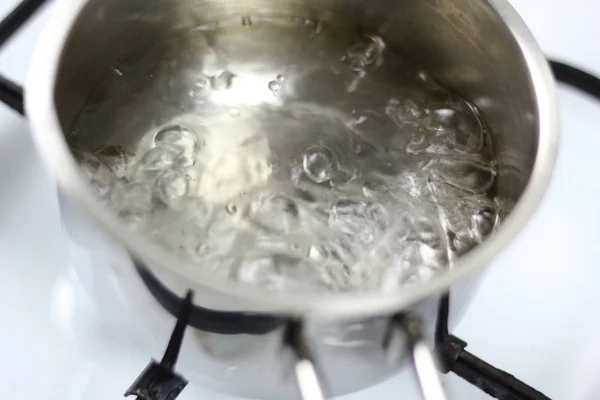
(244, 336)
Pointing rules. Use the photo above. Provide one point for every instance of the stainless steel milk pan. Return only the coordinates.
(478, 49)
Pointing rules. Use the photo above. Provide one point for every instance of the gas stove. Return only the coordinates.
(530, 316)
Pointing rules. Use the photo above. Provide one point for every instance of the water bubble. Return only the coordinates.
(352, 85)
(97, 173)
(433, 256)
(366, 52)
(277, 213)
(483, 222)
(116, 158)
(319, 163)
(377, 212)
(318, 254)
(296, 174)
(462, 242)
(417, 144)
(318, 27)
(201, 87)
(405, 111)
(275, 86)
(231, 209)
(234, 112)
(179, 140)
(373, 129)
(348, 216)
(295, 247)
(442, 119)
(369, 190)
(171, 187)
(418, 275)
(246, 20)
(278, 271)
(352, 122)
(343, 177)
(153, 163)
(202, 249)
(207, 27)
(443, 190)
(470, 176)
(305, 195)
(460, 125)
(133, 202)
(315, 26)
(192, 175)
(175, 136)
(222, 81)
(261, 270)
(428, 229)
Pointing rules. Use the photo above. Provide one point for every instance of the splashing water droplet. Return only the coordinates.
(319, 163)
(117, 71)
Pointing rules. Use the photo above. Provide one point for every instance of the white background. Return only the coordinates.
(534, 316)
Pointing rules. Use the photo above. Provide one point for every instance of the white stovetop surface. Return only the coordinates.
(533, 316)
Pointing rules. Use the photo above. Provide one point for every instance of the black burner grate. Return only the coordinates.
(159, 382)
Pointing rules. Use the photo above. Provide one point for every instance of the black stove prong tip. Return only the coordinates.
(159, 381)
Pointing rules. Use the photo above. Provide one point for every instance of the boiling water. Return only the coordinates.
(294, 156)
